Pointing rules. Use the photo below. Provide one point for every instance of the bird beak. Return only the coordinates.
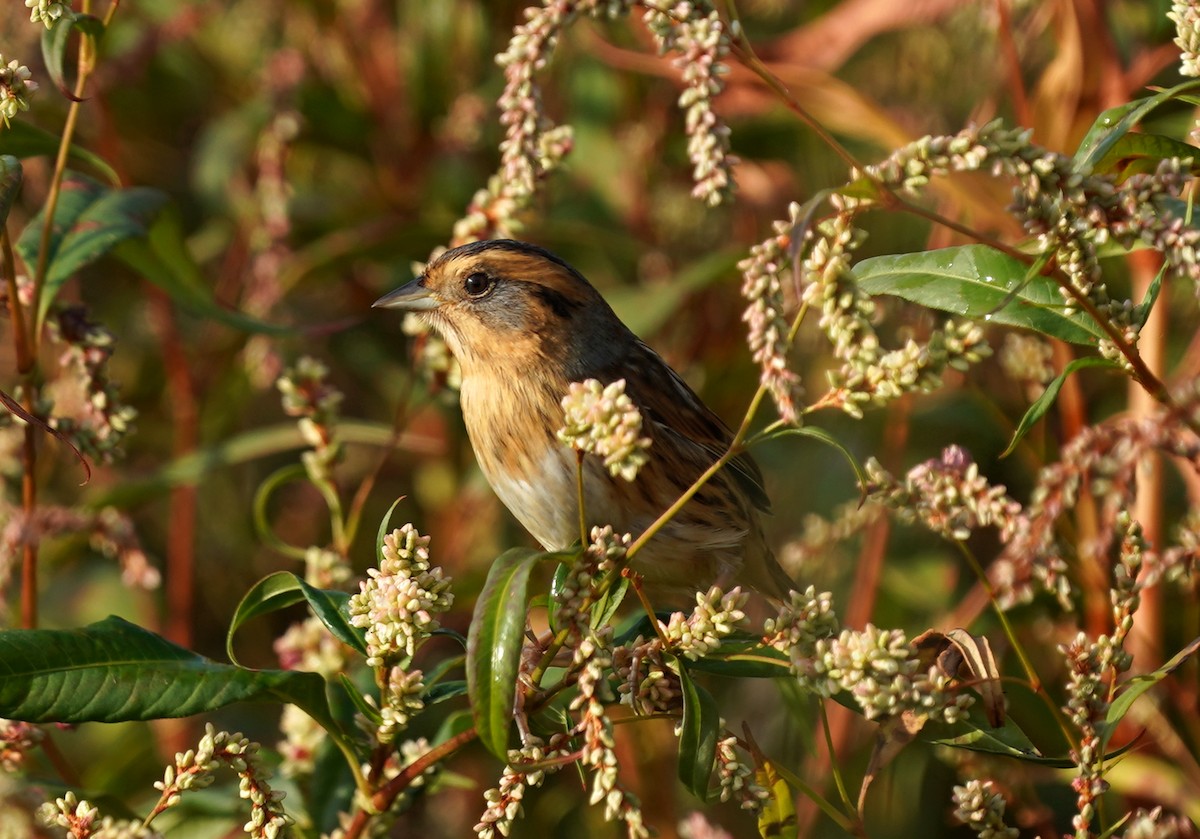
(414, 297)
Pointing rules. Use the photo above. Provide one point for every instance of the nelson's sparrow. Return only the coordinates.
(523, 325)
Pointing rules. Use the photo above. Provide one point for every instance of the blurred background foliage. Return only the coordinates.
(316, 150)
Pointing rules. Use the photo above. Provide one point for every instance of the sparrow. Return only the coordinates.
(524, 325)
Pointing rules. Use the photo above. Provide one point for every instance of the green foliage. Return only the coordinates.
(268, 175)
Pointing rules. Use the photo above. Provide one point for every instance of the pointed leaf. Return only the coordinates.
(163, 258)
(55, 41)
(114, 671)
(1141, 153)
(1138, 685)
(494, 644)
(981, 283)
(1044, 402)
(822, 436)
(1142, 313)
(1115, 123)
(777, 818)
(22, 140)
(10, 184)
(697, 735)
(89, 221)
(282, 589)
(385, 527)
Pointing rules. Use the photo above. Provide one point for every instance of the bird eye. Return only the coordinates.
(477, 284)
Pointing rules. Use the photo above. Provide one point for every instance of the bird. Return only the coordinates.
(523, 325)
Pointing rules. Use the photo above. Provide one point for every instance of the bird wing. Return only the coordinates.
(675, 410)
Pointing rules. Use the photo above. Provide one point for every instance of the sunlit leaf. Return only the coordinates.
(56, 38)
(494, 644)
(114, 671)
(1044, 402)
(978, 282)
(89, 222)
(1134, 154)
(1112, 125)
(282, 589)
(1137, 686)
(698, 733)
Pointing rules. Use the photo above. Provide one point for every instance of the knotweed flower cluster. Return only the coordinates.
(192, 770)
(1186, 17)
(1029, 360)
(88, 407)
(717, 615)
(109, 531)
(82, 820)
(534, 145)
(981, 808)
(309, 395)
(1095, 667)
(17, 740)
(820, 536)
(47, 11)
(504, 802)
(947, 495)
(603, 420)
(768, 327)
(736, 778)
(879, 668)
(580, 587)
(15, 89)
(593, 659)
(1106, 456)
(869, 374)
(696, 32)
(398, 604)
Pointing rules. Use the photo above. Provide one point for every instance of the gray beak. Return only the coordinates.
(413, 297)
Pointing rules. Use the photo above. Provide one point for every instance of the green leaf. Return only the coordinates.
(777, 818)
(1142, 313)
(10, 184)
(89, 222)
(981, 283)
(282, 589)
(698, 735)
(20, 139)
(822, 436)
(114, 671)
(745, 660)
(163, 258)
(1115, 123)
(355, 695)
(1039, 408)
(1139, 153)
(445, 690)
(1135, 687)
(494, 646)
(606, 607)
(385, 528)
(55, 41)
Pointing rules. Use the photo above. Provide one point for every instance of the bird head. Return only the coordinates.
(502, 304)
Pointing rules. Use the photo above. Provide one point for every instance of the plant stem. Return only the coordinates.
(386, 795)
(87, 63)
(833, 764)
